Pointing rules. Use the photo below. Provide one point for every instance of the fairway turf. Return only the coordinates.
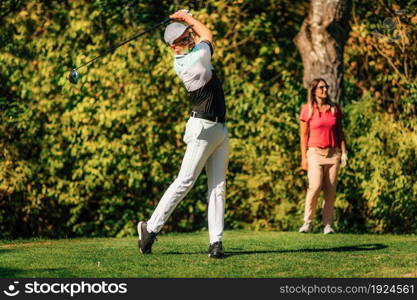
(249, 254)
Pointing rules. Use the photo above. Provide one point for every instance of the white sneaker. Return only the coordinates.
(328, 229)
(305, 228)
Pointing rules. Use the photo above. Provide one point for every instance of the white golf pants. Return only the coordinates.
(207, 145)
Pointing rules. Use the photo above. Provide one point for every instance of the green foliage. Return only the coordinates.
(93, 158)
(383, 171)
(381, 56)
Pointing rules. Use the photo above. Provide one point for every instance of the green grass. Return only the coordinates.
(250, 254)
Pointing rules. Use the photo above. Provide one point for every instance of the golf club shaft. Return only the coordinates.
(125, 42)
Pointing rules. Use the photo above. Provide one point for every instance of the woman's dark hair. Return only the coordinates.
(311, 97)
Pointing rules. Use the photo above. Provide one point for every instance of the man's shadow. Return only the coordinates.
(239, 251)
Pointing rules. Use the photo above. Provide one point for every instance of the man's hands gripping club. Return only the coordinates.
(202, 32)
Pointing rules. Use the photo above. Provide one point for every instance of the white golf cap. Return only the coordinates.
(174, 31)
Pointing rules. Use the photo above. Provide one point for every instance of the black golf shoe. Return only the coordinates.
(146, 238)
(216, 250)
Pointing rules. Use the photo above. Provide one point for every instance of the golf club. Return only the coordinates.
(74, 76)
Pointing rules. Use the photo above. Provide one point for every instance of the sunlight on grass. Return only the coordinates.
(249, 254)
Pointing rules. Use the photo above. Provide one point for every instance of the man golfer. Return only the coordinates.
(205, 134)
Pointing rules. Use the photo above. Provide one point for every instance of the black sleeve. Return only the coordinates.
(210, 45)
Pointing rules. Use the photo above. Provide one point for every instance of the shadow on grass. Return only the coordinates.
(51, 272)
(234, 251)
(6, 272)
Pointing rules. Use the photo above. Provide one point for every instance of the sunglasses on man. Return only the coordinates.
(185, 40)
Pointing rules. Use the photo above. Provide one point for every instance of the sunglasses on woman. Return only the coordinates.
(323, 87)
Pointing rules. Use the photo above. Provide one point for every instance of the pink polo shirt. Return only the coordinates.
(322, 127)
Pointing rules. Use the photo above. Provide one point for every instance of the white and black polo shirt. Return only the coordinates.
(200, 80)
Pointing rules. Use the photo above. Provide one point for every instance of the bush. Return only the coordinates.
(92, 159)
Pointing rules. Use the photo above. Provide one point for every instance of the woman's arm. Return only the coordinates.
(199, 28)
(342, 139)
(343, 147)
(303, 144)
(340, 133)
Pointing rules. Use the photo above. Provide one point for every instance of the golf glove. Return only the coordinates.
(343, 159)
(186, 12)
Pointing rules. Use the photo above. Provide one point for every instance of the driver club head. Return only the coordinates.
(73, 76)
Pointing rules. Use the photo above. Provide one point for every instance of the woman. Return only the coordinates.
(322, 147)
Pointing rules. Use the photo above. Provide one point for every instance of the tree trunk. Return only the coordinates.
(320, 41)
